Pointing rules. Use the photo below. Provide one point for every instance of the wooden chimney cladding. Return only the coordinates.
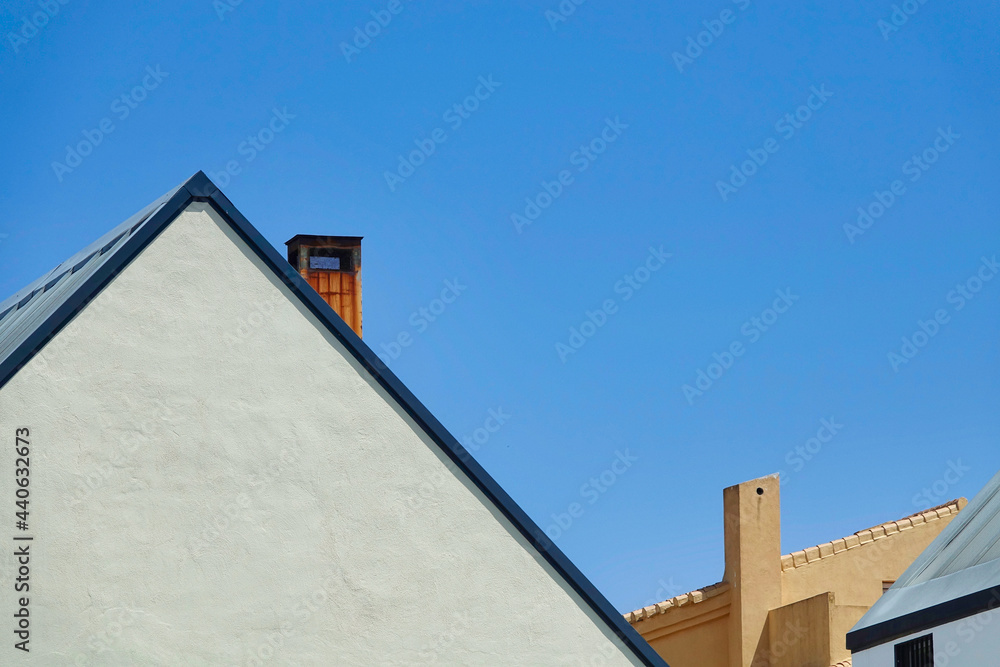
(332, 265)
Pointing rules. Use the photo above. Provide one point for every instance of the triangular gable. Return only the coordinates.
(33, 316)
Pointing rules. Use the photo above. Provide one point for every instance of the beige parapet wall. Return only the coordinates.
(792, 610)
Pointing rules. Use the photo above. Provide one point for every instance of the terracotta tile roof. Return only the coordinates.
(845, 663)
(820, 551)
(693, 597)
(810, 555)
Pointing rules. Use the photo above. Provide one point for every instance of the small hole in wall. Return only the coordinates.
(760, 491)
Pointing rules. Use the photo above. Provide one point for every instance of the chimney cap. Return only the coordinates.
(313, 240)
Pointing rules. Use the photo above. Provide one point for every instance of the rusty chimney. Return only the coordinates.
(332, 265)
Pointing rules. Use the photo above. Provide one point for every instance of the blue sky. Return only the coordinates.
(677, 206)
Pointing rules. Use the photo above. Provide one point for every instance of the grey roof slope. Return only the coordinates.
(26, 312)
(956, 576)
(33, 316)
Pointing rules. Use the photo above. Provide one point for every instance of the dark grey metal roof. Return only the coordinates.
(958, 575)
(25, 312)
(971, 539)
(33, 316)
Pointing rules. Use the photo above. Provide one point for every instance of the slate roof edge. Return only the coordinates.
(924, 619)
(451, 446)
(93, 285)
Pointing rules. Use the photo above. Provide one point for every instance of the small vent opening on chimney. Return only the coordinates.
(324, 263)
(329, 259)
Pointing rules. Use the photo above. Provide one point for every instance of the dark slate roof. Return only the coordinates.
(33, 316)
(958, 575)
(27, 311)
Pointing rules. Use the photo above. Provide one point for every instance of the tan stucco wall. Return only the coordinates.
(845, 617)
(696, 635)
(857, 574)
(702, 645)
(215, 481)
(799, 634)
(752, 513)
(810, 599)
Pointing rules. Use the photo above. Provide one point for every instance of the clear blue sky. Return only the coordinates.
(879, 97)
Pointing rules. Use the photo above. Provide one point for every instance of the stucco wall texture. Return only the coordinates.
(785, 610)
(216, 481)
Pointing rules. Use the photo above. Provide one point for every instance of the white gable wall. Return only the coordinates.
(970, 642)
(215, 480)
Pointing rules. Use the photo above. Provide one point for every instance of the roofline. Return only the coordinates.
(200, 188)
(92, 286)
(696, 596)
(924, 619)
(804, 557)
(798, 559)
